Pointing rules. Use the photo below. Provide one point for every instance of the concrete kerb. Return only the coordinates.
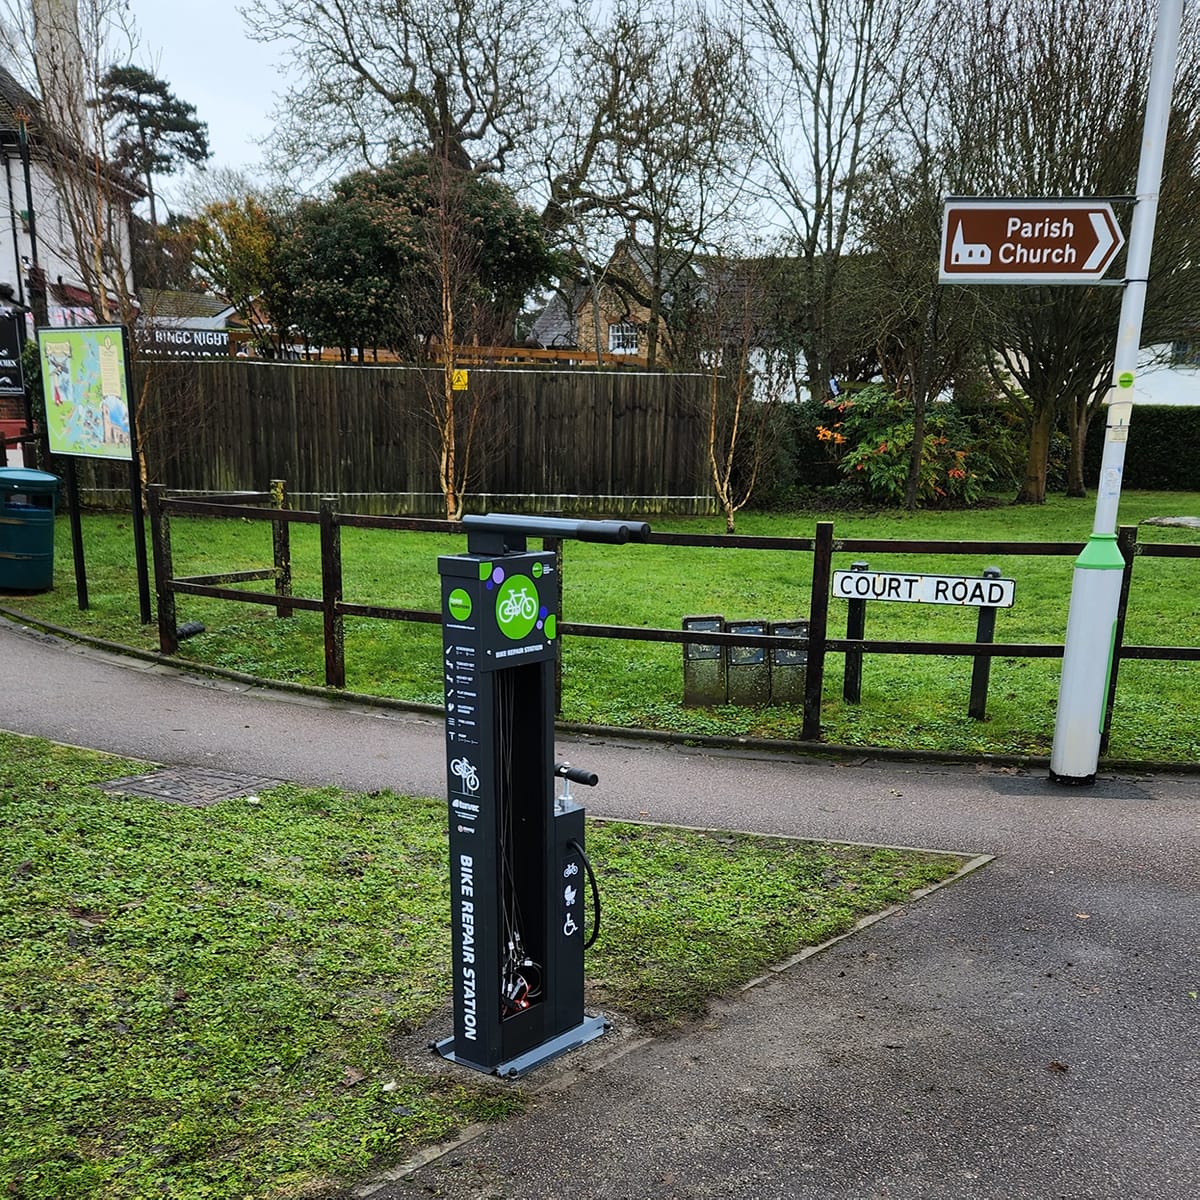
(758, 746)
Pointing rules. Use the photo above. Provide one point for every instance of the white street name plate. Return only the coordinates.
(924, 589)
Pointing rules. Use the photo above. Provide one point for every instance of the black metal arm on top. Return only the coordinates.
(505, 533)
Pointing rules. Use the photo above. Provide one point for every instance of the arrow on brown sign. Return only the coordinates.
(1027, 241)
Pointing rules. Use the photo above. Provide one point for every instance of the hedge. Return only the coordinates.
(1163, 453)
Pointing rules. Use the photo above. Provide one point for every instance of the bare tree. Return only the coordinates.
(652, 148)
(748, 375)
(826, 102)
(66, 47)
(459, 399)
(1033, 105)
(463, 80)
(926, 343)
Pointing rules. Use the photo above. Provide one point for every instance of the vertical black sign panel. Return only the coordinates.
(12, 375)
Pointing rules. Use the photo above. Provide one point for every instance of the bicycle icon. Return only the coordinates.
(518, 603)
(464, 769)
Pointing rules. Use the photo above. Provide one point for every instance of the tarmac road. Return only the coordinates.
(1031, 1031)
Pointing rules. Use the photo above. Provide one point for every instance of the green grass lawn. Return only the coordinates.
(234, 1001)
(907, 702)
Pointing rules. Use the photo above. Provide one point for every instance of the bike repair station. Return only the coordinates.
(517, 860)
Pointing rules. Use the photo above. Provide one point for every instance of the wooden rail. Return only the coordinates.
(334, 607)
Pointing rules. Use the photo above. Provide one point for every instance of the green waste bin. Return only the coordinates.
(28, 500)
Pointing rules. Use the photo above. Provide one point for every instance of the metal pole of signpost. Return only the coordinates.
(856, 628)
(1096, 586)
(81, 586)
(137, 506)
(981, 669)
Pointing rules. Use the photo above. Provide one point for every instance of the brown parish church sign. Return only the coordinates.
(1027, 241)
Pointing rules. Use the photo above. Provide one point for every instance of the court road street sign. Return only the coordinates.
(924, 589)
(1027, 241)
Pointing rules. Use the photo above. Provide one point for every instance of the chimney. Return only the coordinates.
(58, 54)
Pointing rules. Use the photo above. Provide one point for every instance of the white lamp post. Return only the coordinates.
(1096, 585)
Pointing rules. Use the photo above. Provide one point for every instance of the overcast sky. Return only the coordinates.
(201, 49)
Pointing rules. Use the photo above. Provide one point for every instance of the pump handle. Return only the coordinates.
(576, 774)
(616, 532)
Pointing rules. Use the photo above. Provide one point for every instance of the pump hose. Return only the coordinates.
(587, 866)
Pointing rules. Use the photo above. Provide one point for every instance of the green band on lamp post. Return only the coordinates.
(1101, 554)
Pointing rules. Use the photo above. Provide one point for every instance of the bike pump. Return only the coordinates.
(517, 858)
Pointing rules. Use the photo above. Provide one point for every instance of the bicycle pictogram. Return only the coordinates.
(464, 768)
(517, 603)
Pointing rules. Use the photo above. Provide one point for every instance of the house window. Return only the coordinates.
(1185, 354)
(623, 338)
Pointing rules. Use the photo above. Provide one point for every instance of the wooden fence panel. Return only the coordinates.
(215, 425)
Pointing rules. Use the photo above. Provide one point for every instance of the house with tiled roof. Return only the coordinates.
(706, 299)
(610, 314)
(557, 325)
(32, 202)
(185, 310)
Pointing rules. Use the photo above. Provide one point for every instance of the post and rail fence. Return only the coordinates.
(334, 608)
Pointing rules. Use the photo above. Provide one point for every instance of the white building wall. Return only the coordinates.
(56, 249)
(1157, 382)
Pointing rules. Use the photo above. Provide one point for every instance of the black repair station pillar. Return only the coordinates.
(516, 872)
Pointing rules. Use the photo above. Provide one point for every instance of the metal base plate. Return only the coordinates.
(586, 1031)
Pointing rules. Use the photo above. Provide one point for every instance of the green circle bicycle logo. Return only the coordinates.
(517, 607)
(459, 604)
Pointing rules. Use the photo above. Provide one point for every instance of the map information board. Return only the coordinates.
(86, 389)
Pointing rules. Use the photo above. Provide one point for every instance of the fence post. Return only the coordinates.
(981, 664)
(164, 570)
(818, 615)
(856, 627)
(331, 594)
(281, 545)
(1127, 544)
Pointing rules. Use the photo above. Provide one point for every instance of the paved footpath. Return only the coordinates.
(1031, 1031)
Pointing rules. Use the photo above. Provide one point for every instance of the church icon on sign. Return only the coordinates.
(968, 254)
